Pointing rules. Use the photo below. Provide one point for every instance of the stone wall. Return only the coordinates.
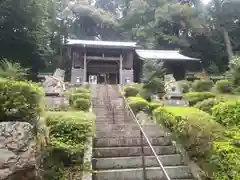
(17, 151)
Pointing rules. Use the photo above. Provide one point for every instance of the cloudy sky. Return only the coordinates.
(206, 1)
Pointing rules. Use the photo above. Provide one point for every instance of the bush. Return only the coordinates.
(20, 101)
(82, 90)
(207, 104)
(227, 113)
(69, 133)
(202, 85)
(185, 85)
(82, 96)
(206, 141)
(226, 160)
(154, 105)
(138, 104)
(82, 104)
(195, 97)
(131, 91)
(224, 86)
(145, 94)
(196, 129)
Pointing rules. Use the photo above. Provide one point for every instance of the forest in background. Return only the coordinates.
(33, 31)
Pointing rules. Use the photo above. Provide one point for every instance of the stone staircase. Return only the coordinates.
(117, 148)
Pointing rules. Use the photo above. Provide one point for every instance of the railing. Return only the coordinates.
(142, 135)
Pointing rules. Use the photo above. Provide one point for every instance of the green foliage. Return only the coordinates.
(195, 97)
(224, 86)
(226, 158)
(82, 104)
(207, 104)
(154, 105)
(145, 94)
(196, 129)
(12, 70)
(202, 85)
(186, 86)
(131, 91)
(138, 104)
(81, 95)
(25, 35)
(69, 133)
(82, 90)
(234, 72)
(20, 101)
(227, 113)
(80, 98)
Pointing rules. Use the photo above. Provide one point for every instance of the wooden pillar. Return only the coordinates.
(85, 67)
(120, 69)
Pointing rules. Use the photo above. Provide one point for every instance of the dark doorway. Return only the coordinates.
(178, 70)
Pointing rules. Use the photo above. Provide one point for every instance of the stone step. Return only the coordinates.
(128, 133)
(153, 173)
(131, 151)
(131, 142)
(128, 127)
(136, 162)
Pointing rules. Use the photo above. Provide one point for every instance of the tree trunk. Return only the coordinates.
(228, 44)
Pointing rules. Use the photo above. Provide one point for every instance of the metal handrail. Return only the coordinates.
(127, 107)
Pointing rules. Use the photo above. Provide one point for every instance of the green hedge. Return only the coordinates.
(195, 128)
(138, 104)
(82, 104)
(202, 85)
(224, 86)
(131, 91)
(80, 98)
(20, 101)
(81, 95)
(195, 97)
(207, 104)
(204, 139)
(227, 113)
(69, 132)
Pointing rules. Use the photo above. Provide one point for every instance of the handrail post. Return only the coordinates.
(143, 158)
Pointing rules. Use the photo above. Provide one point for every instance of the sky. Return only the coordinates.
(206, 1)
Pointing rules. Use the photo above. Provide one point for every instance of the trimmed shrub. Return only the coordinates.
(196, 129)
(224, 86)
(207, 104)
(227, 113)
(20, 101)
(69, 133)
(82, 96)
(138, 104)
(154, 105)
(82, 104)
(215, 150)
(82, 90)
(195, 97)
(202, 85)
(131, 91)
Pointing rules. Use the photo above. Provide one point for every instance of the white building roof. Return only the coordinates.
(100, 43)
(162, 54)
